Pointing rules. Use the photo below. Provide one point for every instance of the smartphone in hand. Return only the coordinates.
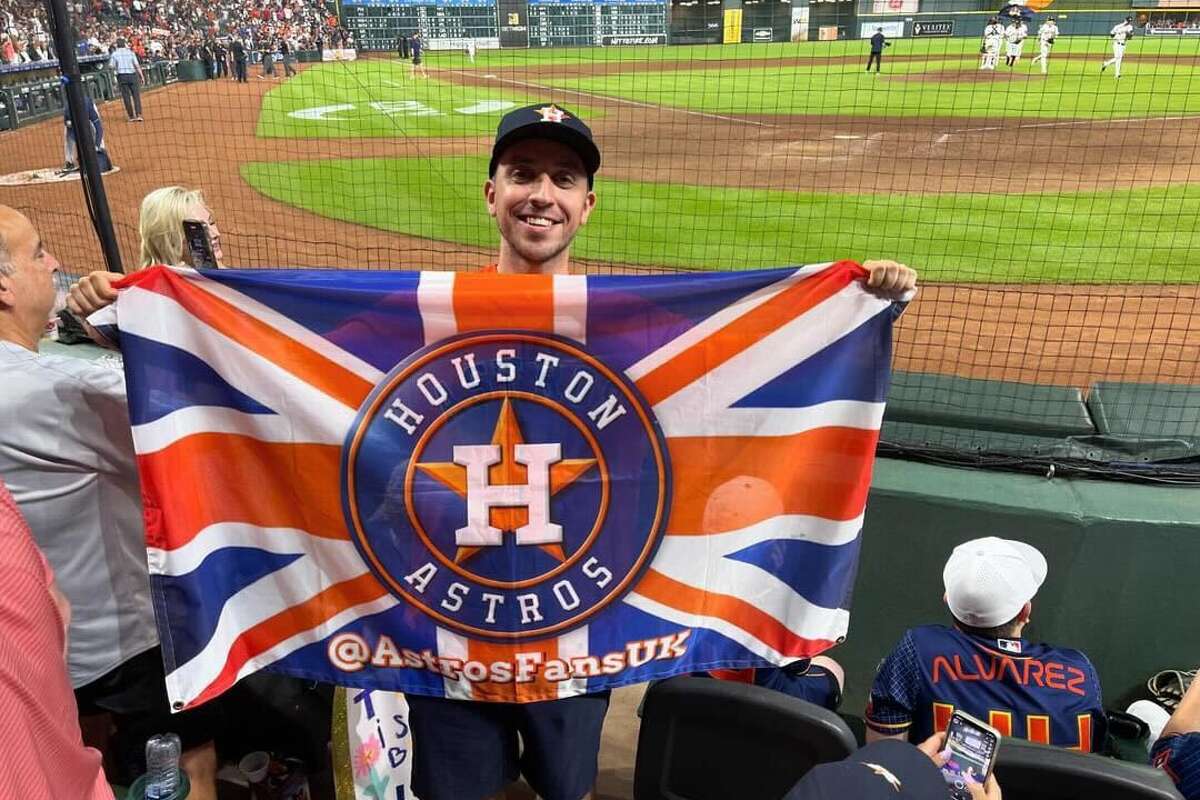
(199, 244)
(973, 745)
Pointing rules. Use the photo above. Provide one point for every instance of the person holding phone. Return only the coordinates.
(984, 666)
(890, 770)
(173, 226)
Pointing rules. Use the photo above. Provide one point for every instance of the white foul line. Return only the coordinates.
(1123, 121)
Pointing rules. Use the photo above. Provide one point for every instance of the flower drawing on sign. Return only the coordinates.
(365, 759)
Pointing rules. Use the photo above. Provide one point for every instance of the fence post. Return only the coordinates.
(89, 173)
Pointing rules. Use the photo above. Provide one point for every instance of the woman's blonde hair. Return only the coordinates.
(161, 224)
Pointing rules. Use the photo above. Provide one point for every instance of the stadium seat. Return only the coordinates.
(705, 739)
(1029, 771)
(1147, 411)
(1001, 406)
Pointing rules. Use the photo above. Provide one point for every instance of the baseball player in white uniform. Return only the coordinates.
(1047, 33)
(992, 34)
(1015, 35)
(1121, 33)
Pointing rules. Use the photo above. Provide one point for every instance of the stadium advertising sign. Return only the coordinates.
(618, 41)
(892, 30)
(894, 6)
(941, 27)
(763, 34)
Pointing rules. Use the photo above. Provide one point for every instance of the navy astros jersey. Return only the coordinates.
(1179, 756)
(1030, 691)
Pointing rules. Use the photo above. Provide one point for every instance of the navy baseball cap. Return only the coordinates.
(546, 121)
(887, 770)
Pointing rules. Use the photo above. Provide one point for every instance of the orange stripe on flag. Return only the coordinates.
(539, 688)
(243, 480)
(670, 592)
(727, 483)
(688, 366)
(483, 301)
(289, 622)
(309, 366)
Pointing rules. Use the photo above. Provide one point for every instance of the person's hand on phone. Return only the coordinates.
(92, 292)
(989, 790)
(935, 747)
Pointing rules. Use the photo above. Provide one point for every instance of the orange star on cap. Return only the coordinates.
(508, 472)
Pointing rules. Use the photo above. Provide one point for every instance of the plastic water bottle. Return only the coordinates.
(162, 767)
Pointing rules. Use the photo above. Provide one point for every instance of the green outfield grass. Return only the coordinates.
(1132, 236)
(1073, 89)
(377, 98)
(955, 46)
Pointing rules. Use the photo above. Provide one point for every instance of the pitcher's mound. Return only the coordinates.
(31, 177)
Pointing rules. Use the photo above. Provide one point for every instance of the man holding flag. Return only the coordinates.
(474, 737)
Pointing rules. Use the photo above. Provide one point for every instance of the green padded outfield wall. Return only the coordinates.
(1124, 565)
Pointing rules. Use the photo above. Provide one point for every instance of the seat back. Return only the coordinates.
(705, 739)
(1028, 771)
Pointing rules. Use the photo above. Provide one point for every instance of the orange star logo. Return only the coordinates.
(507, 434)
(552, 113)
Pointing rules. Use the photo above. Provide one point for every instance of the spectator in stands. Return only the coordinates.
(1177, 751)
(67, 455)
(42, 748)
(983, 666)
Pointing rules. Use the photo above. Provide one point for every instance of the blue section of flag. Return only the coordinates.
(854, 367)
(823, 574)
(373, 315)
(631, 317)
(162, 379)
(312, 661)
(198, 596)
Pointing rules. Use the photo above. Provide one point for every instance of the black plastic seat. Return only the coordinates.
(705, 739)
(1029, 771)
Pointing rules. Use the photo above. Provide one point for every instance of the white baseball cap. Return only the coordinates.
(989, 580)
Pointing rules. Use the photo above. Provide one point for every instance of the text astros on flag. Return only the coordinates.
(504, 488)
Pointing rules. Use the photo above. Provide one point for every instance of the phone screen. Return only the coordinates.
(972, 751)
(199, 245)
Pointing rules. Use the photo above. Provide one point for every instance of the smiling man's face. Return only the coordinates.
(539, 197)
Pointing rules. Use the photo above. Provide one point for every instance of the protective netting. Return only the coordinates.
(1052, 213)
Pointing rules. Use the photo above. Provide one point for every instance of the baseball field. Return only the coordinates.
(1023, 199)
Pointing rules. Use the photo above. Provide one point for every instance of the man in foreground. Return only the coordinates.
(540, 190)
(983, 666)
(66, 453)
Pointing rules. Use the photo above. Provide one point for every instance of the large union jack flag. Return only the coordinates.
(500, 487)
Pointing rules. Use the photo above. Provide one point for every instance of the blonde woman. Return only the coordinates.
(160, 226)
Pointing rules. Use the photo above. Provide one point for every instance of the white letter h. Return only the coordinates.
(482, 496)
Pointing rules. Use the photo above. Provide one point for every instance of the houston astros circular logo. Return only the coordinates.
(510, 485)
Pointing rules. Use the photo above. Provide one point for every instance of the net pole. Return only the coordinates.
(93, 184)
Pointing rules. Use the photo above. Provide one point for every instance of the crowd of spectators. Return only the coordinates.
(170, 29)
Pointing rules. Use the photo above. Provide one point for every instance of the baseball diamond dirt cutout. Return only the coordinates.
(204, 134)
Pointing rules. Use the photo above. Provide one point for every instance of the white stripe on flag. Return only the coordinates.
(336, 557)
(711, 325)
(269, 595)
(285, 325)
(452, 645)
(573, 644)
(435, 300)
(713, 393)
(788, 527)
(181, 423)
(570, 306)
(676, 421)
(186, 682)
(315, 415)
(835, 629)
